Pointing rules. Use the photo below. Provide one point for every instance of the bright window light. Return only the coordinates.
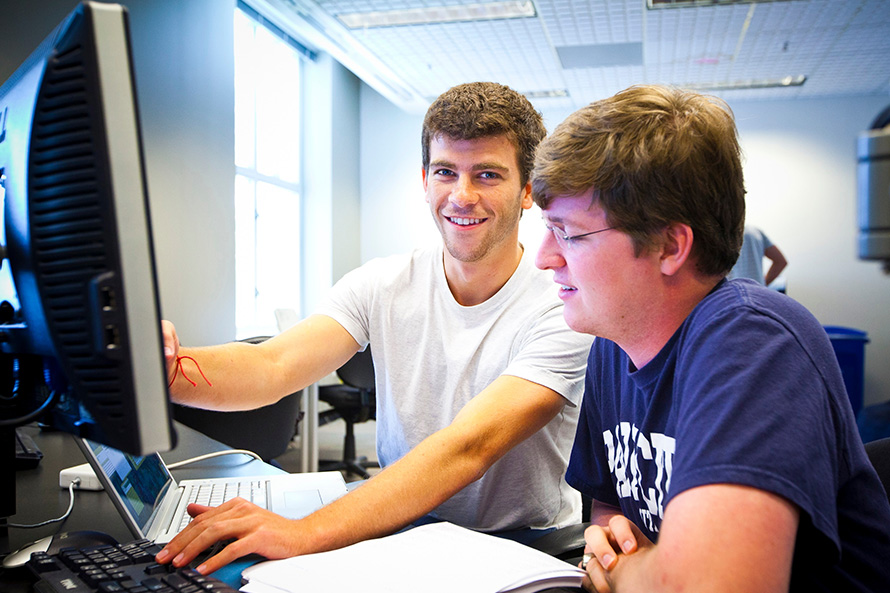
(268, 177)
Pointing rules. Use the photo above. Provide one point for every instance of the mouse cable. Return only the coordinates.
(179, 464)
(71, 486)
(26, 418)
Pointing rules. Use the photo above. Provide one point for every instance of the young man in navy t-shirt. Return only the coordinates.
(716, 437)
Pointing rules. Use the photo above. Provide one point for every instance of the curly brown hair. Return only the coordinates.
(653, 155)
(482, 109)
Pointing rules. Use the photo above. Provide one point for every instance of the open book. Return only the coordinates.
(436, 558)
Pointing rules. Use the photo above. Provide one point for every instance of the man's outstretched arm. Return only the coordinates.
(242, 376)
(507, 412)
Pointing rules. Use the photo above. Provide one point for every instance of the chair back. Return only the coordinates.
(286, 319)
(266, 431)
(358, 371)
(879, 454)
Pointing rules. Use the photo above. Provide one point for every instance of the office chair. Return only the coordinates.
(567, 543)
(879, 454)
(354, 401)
(266, 431)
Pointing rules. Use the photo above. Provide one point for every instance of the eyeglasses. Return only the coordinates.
(566, 241)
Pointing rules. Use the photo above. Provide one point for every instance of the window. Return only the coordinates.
(268, 175)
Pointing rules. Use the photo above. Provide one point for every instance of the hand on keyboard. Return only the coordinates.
(250, 528)
(216, 493)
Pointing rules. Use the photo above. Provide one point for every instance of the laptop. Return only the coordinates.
(153, 504)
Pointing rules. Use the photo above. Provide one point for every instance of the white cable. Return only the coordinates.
(71, 486)
(179, 464)
(76, 481)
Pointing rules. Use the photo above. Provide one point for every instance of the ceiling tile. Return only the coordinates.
(841, 46)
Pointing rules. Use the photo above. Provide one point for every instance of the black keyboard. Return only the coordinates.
(119, 568)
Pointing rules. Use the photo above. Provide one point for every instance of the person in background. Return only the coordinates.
(716, 438)
(755, 247)
(478, 377)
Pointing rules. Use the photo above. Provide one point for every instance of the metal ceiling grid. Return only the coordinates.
(435, 57)
(581, 22)
(842, 47)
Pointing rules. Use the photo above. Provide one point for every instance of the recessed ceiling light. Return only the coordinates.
(548, 94)
(439, 14)
(687, 3)
(767, 83)
(600, 55)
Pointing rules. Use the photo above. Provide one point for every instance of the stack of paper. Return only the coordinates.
(436, 558)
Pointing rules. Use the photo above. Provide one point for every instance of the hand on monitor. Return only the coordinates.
(254, 530)
(171, 348)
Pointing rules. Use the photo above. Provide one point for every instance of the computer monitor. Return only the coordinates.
(81, 347)
(873, 152)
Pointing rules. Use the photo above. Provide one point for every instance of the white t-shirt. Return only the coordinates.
(432, 355)
(750, 262)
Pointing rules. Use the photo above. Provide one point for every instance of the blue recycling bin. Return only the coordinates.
(849, 347)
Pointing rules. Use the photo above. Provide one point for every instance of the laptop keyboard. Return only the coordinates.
(216, 493)
(121, 568)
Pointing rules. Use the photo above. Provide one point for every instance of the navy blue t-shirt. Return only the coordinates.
(747, 391)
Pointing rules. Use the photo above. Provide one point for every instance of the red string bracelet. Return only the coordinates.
(180, 369)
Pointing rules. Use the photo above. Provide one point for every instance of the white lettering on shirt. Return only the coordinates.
(635, 457)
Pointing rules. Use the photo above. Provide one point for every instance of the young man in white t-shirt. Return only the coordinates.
(478, 376)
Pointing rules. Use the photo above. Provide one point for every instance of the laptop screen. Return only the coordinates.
(139, 481)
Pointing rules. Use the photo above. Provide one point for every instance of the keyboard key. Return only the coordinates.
(216, 586)
(42, 562)
(155, 568)
(176, 581)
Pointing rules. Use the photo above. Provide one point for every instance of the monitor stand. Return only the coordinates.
(19, 405)
(7, 492)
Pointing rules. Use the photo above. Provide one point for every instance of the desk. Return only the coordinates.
(38, 496)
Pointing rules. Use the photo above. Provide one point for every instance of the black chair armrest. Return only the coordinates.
(565, 543)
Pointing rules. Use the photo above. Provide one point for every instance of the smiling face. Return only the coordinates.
(475, 195)
(605, 286)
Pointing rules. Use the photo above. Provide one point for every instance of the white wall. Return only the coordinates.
(185, 79)
(800, 172)
(331, 203)
(394, 216)
(182, 53)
